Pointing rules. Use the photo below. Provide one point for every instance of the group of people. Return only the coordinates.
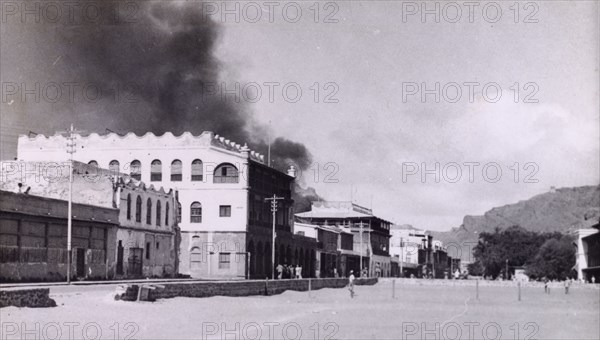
(288, 272)
(567, 284)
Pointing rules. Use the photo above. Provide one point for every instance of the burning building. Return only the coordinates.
(221, 187)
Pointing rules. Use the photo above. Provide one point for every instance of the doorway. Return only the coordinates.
(120, 258)
(80, 262)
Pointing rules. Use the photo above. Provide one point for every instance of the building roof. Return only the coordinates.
(186, 139)
(338, 210)
(330, 228)
(333, 214)
(45, 207)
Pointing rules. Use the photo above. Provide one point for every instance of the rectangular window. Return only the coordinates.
(147, 250)
(224, 260)
(225, 211)
(157, 245)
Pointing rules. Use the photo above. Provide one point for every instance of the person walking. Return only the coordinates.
(279, 271)
(567, 285)
(351, 284)
(298, 271)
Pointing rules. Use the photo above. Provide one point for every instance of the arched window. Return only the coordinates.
(197, 170)
(178, 212)
(138, 209)
(176, 171)
(149, 211)
(93, 163)
(136, 170)
(158, 212)
(167, 214)
(196, 212)
(128, 206)
(156, 171)
(225, 173)
(114, 166)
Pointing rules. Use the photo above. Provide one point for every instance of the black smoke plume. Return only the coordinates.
(165, 50)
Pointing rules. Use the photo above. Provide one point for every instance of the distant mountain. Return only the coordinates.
(559, 210)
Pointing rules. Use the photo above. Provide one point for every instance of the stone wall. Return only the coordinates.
(26, 298)
(485, 283)
(236, 288)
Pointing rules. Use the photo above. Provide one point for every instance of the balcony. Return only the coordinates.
(225, 179)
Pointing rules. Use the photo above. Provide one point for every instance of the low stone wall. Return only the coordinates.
(235, 288)
(485, 283)
(39, 297)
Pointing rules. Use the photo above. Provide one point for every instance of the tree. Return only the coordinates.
(475, 268)
(515, 244)
(554, 260)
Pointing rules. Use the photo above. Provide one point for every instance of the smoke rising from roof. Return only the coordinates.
(166, 54)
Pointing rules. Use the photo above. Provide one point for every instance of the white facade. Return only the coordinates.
(211, 150)
(582, 250)
(209, 173)
(305, 229)
(405, 244)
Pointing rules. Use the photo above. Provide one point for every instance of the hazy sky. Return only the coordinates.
(375, 141)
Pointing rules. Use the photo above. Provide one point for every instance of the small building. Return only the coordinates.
(520, 274)
(587, 244)
(349, 257)
(146, 238)
(371, 234)
(441, 268)
(405, 243)
(33, 239)
(327, 259)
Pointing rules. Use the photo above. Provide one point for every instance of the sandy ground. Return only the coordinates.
(417, 312)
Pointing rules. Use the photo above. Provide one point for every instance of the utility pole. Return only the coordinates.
(401, 255)
(370, 251)
(361, 248)
(71, 136)
(273, 200)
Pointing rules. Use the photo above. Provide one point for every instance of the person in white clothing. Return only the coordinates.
(351, 279)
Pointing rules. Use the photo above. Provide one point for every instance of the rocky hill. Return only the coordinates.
(559, 210)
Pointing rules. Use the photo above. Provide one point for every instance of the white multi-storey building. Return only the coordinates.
(224, 219)
(405, 243)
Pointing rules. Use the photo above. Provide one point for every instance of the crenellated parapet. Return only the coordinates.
(132, 141)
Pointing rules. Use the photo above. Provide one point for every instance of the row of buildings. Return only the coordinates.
(163, 206)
